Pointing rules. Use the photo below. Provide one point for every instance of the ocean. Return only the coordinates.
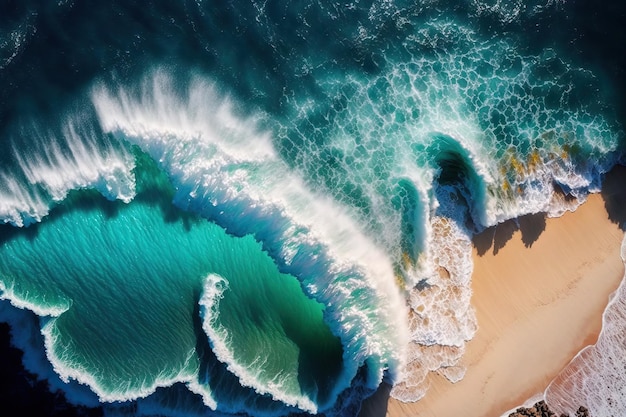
(266, 207)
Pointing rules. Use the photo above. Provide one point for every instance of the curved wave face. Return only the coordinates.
(266, 208)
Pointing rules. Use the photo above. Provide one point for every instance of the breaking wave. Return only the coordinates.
(269, 232)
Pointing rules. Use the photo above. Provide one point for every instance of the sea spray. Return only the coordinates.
(70, 157)
(441, 318)
(251, 194)
(453, 133)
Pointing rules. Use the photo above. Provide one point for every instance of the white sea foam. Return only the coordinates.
(227, 172)
(205, 392)
(8, 293)
(68, 369)
(154, 406)
(466, 117)
(249, 376)
(509, 11)
(84, 164)
(595, 377)
(19, 205)
(469, 95)
(441, 319)
(15, 40)
(57, 164)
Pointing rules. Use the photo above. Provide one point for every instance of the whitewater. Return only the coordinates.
(269, 209)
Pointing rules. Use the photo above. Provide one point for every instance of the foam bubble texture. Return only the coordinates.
(450, 121)
(56, 163)
(227, 172)
(595, 377)
(519, 121)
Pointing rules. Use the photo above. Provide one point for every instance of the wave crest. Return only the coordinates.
(228, 173)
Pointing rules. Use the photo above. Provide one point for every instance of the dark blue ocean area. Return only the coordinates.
(266, 208)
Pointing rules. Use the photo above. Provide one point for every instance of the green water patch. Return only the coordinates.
(274, 341)
(125, 281)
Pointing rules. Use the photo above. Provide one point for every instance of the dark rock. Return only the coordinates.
(582, 412)
(541, 409)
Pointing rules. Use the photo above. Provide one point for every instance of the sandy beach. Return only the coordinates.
(539, 289)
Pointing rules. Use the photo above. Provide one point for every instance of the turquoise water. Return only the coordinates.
(125, 327)
(267, 208)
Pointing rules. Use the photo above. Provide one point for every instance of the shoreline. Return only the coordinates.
(540, 286)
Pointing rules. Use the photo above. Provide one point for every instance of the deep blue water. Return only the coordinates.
(267, 207)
